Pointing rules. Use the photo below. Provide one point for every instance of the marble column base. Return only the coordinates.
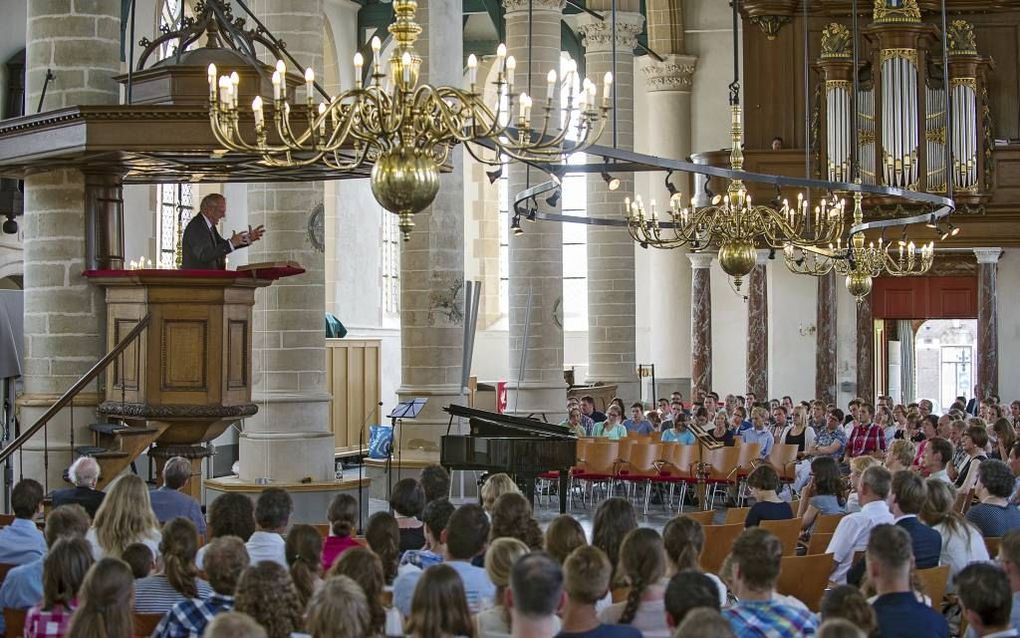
(289, 439)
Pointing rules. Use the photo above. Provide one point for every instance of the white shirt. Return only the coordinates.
(650, 618)
(941, 475)
(151, 540)
(268, 546)
(960, 549)
(851, 536)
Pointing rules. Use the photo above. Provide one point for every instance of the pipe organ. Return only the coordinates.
(899, 111)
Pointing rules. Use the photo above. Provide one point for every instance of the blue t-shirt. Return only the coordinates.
(645, 427)
(604, 631)
(477, 586)
(827, 504)
(685, 438)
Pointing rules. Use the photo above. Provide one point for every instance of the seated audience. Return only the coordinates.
(612, 426)
(499, 561)
(536, 585)
(343, 522)
(866, 438)
(825, 492)
(266, 593)
(178, 579)
(614, 519)
(839, 628)
(1009, 558)
(229, 515)
(900, 455)
(994, 515)
(763, 483)
(637, 423)
(973, 443)
(64, 572)
(857, 467)
(1005, 437)
(643, 571)
(170, 501)
(465, 538)
(233, 624)
(846, 602)
(588, 409)
(755, 560)
(574, 423)
(365, 569)
(140, 559)
(680, 433)
(705, 623)
(689, 590)
(495, 486)
(105, 601)
(340, 609)
(511, 517)
(937, 455)
(961, 540)
(23, 586)
(758, 432)
(435, 517)
(125, 517)
(721, 431)
(304, 556)
(272, 514)
(852, 532)
(683, 539)
(383, 537)
(225, 561)
(986, 600)
(795, 433)
(586, 582)
(435, 482)
(22, 542)
(563, 535)
(439, 606)
(897, 608)
(407, 500)
(84, 474)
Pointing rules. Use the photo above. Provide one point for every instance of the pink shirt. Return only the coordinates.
(333, 547)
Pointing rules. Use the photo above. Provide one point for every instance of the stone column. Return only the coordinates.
(64, 316)
(758, 329)
(612, 344)
(432, 262)
(669, 122)
(536, 256)
(701, 322)
(825, 339)
(289, 439)
(988, 321)
(865, 350)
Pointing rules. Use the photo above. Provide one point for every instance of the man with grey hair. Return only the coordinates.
(169, 501)
(84, 474)
(202, 247)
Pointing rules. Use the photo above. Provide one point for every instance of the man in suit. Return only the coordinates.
(84, 473)
(202, 246)
(898, 611)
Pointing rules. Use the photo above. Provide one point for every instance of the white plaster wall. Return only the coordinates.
(709, 30)
(1008, 302)
(792, 307)
(729, 334)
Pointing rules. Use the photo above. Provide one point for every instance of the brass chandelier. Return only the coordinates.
(404, 129)
(733, 223)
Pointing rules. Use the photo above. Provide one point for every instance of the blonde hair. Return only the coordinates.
(338, 610)
(860, 463)
(125, 515)
(903, 451)
(495, 486)
(499, 562)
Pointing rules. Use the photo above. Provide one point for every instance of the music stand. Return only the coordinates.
(705, 440)
(403, 410)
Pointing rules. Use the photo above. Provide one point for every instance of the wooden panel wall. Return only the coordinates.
(925, 298)
(354, 378)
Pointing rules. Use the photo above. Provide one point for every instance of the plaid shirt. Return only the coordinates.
(770, 619)
(52, 623)
(826, 437)
(866, 439)
(188, 618)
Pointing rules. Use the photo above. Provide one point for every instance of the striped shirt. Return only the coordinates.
(770, 619)
(155, 594)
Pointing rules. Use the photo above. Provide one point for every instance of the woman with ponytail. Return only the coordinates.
(343, 521)
(304, 556)
(104, 602)
(176, 577)
(364, 568)
(643, 570)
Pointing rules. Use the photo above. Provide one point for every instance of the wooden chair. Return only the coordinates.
(641, 466)
(624, 445)
(145, 624)
(818, 543)
(14, 622)
(718, 541)
(705, 517)
(322, 528)
(963, 501)
(783, 457)
(805, 578)
(933, 580)
(993, 543)
(788, 532)
(601, 458)
(736, 515)
(826, 523)
(675, 468)
(6, 519)
(620, 594)
(723, 469)
(748, 458)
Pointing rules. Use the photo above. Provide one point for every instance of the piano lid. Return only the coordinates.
(521, 424)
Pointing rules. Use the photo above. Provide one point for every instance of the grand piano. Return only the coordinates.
(523, 448)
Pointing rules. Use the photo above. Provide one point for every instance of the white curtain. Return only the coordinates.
(905, 332)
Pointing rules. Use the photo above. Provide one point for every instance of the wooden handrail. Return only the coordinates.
(73, 391)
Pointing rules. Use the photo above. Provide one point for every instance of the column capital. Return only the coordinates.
(516, 6)
(597, 35)
(673, 73)
(987, 255)
(701, 260)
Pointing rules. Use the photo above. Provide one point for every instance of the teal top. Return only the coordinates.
(685, 438)
(614, 433)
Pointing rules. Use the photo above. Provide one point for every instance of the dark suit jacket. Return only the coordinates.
(202, 247)
(972, 407)
(88, 498)
(925, 541)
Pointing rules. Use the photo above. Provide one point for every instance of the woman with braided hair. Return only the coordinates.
(176, 578)
(104, 602)
(304, 555)
(643, 570)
